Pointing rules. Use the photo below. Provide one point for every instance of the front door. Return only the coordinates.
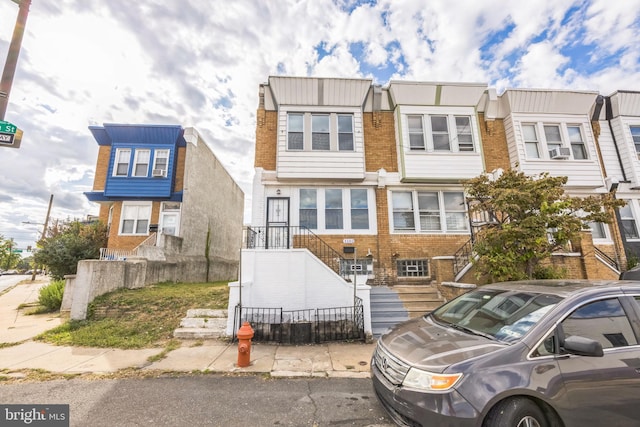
(277, 223)
(170, 218)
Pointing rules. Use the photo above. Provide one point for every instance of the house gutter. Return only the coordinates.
(608, 117)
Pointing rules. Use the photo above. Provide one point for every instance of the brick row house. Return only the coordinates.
(376, 173)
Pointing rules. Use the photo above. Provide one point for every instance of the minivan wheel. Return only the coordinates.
(516, 412)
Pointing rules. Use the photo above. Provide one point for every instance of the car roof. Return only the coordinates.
(564, 288)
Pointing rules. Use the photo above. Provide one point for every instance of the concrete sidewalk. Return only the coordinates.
(321, 360)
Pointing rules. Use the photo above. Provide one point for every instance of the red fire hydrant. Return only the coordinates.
(245, 333)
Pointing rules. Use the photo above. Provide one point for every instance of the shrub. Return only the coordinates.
(51, 295)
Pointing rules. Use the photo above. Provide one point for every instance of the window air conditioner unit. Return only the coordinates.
(157, 172)
(560, 153)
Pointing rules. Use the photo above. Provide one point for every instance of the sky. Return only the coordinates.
(200, 63)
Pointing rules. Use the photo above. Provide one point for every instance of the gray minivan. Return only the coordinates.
(517, 354)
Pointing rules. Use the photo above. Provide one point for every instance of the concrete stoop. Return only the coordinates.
(202, 324)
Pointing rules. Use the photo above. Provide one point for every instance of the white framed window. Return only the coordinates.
(437, 211)
(635, 136)
(121, 163)
(440, 132)
(552, 136)
(629, 225)
(597, 230)
(416, 132)
(359, 209)
(295, 131)
(531, 144)
(345, 132)
(577, 142)
(309, 208)
(329, 209)
(135, 218)
(161, 160)
(333, 209)
(320, 136)
(141, 163)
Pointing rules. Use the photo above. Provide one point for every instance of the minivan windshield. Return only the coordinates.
(502, 314)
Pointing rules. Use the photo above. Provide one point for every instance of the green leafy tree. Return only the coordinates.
(529, 218)
(8, 259)
(68, 244)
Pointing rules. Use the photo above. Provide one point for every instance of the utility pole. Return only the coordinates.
(12, 55)
(44, 234)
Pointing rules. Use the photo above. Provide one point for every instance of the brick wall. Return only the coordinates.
(179, 181)
(102, 168)
(116, 241)
(266, 139)
(494, 144)
(380, 141)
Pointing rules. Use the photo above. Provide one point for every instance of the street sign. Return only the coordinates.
(16, 251)
(6, 127)
(6, 138)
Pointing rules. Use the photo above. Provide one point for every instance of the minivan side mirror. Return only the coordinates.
(582, 346)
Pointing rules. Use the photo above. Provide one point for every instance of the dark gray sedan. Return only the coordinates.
(517, 354)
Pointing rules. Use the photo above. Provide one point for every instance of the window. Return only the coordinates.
(403, 211)
(135, 218)
(413, 268)
(345, 132)
(629, 228)
(141, 163)
(416, 133)
(577, 144)
(333, 209)
(161, 160)
(295, 131)
(364, 266)
(438, 211)
(440, 133)
(597, 230)
(309, 209)
(531, 144)
(330, 209)
(429, 207)
(359, 209)
(123, 157)
(465, 137)
(604, 321)
(320, 139)
(552, 135)
(635, 135)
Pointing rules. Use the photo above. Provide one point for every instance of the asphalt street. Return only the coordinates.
(208, 400)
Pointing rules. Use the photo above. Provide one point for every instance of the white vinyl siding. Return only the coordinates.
(298, 158)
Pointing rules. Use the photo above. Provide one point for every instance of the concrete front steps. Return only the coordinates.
(392, 305)
(202, 324)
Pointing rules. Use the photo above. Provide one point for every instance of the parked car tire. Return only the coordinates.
(516, 412)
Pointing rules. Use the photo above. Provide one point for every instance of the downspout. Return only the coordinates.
(609, 116)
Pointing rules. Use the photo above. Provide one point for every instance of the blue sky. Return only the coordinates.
(200, 62)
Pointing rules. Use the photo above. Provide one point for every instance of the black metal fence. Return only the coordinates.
(303, 326)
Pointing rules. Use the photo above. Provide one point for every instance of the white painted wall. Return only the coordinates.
(292, 280)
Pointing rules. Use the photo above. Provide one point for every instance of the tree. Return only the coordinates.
(529, 218)
(68, 244)
(8, 259)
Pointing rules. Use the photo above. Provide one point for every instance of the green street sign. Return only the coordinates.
(6, 127)
(16, 251)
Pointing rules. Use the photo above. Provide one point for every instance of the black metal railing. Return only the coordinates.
(462, 257)
(287, 237)
(303, 326)
(607, 259)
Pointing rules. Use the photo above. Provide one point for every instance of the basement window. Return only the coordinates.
(413, 268)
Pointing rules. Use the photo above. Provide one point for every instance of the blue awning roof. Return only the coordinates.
(138, 134)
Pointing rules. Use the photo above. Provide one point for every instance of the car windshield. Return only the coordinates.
(502, 314)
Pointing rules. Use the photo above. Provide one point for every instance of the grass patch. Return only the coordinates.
(138, 318)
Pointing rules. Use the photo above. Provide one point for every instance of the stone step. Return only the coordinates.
(202, 324)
